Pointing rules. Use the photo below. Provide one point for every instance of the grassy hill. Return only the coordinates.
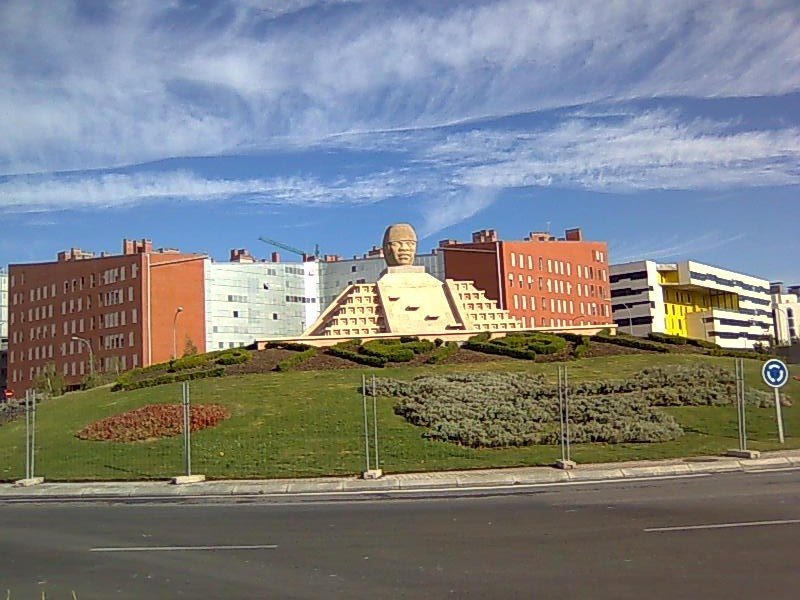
(310, 423)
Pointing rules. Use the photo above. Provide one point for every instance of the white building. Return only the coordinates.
(3, 326)
(247, 300)
(785, 310)
(691, 299)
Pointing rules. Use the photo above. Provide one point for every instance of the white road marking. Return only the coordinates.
(182, 548)
(723, 525)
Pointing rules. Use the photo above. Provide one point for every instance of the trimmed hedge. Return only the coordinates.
(701, 343)
(186, 366)
(489, 348)
(441, 353)
(667, 338)
(717, 351)
(347, 350)
(287, 364)
(389, 350)
(518, 345)
(630, 342)
(169, 378)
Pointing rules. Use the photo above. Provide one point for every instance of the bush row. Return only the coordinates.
(630, 342)
(295, 360)
(349, 351)
(377, 353)
(441, 353)
(197, 362)
(716, 351)
(517, 345)
(168, 378)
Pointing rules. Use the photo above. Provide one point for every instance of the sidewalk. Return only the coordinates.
(489, 478)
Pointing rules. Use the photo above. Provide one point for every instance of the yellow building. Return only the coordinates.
(693, 300)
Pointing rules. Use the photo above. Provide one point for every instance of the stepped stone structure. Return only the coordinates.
(408, 301)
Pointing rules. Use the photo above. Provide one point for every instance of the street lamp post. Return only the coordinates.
(778, 325)
(91, 354)
(178, 311)
(630, 317)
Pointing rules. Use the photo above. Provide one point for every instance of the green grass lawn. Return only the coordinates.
(300, 424)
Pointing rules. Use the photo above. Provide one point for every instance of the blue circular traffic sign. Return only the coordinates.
(775, 373)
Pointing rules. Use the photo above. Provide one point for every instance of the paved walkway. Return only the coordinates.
(406, 481)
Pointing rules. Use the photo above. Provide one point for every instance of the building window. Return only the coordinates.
(235, 314)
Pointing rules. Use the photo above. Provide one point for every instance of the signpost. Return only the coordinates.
(775, 374)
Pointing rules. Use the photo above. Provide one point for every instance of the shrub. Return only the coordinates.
(346, 350)
(442, 353)
(233, 356)
(295, 346)
(524, 345)
(288, 364)
(667, 338)
(496, 410)
(579, 350)
(389, 350)
(717, 351)
(168, 378)
(512, 409)
(189, 362)
(630, 342)
(701, 343)
(483, 336)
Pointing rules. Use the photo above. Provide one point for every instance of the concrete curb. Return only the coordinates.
(491, 478)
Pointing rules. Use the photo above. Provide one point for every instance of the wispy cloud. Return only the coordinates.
(35, 194)
(155, 79)
(457, 173)
(454, 208)
(675, 247)
(653, 150)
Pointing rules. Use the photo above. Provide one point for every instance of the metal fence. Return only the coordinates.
(356, 434)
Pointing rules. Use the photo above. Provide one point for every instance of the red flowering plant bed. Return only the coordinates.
(152, 422)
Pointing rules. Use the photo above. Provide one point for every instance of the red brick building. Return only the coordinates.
(544, 281)
(124, 311)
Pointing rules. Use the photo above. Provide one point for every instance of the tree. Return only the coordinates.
(50, 381)
(189, 349)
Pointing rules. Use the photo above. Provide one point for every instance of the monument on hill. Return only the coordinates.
(408, 301)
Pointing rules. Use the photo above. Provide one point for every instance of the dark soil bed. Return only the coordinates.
(323, 362)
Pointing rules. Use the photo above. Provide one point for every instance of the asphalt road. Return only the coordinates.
(722, 536)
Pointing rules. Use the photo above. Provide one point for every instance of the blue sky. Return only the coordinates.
(669, 129)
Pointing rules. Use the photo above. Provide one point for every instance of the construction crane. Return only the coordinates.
(291, 249)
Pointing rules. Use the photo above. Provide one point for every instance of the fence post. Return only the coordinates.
(375, 421)
(370, 473)
(28, 474)
(566, 461)
(187, 440)
(30, 441)
(741, 414)
(187, 431)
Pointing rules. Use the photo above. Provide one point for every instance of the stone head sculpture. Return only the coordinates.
(399, 245)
